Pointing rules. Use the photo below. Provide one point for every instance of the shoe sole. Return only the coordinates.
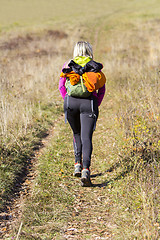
(86, 182)
(77, 174)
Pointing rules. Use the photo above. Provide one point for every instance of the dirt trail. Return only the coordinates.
(14, 212)
(92, 217)
(92, 214)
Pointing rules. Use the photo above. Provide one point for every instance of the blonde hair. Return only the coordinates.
(83, 48)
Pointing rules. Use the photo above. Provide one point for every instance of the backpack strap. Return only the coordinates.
(82, 83)
(66, 108)
(93, 114)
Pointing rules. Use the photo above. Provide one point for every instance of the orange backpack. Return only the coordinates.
(92, 80)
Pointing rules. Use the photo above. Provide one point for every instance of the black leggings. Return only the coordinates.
(82, 114)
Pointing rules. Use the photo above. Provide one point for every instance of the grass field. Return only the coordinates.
(36, 37)
(36, 14)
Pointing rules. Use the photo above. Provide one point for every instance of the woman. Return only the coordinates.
(82, 112)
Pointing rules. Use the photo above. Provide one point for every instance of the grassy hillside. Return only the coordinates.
(125, 165)
(17, 14)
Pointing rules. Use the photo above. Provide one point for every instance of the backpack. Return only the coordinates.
(77, 90)
(82, 81)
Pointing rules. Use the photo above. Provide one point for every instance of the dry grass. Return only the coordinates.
(29, 99)
(127, 168)
(29, 73)
(132, 65)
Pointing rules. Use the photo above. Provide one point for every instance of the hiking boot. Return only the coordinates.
(77, 170)
(85, 178)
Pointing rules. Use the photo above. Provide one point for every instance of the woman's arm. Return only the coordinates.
(62, 88)
(62, 82)
(100, 94)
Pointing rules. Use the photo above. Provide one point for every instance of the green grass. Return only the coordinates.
(125, 189)
(52, 197)
(124, 201)
(16, 157)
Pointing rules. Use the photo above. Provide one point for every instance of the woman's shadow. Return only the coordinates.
(105, 183)
(127, 165)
